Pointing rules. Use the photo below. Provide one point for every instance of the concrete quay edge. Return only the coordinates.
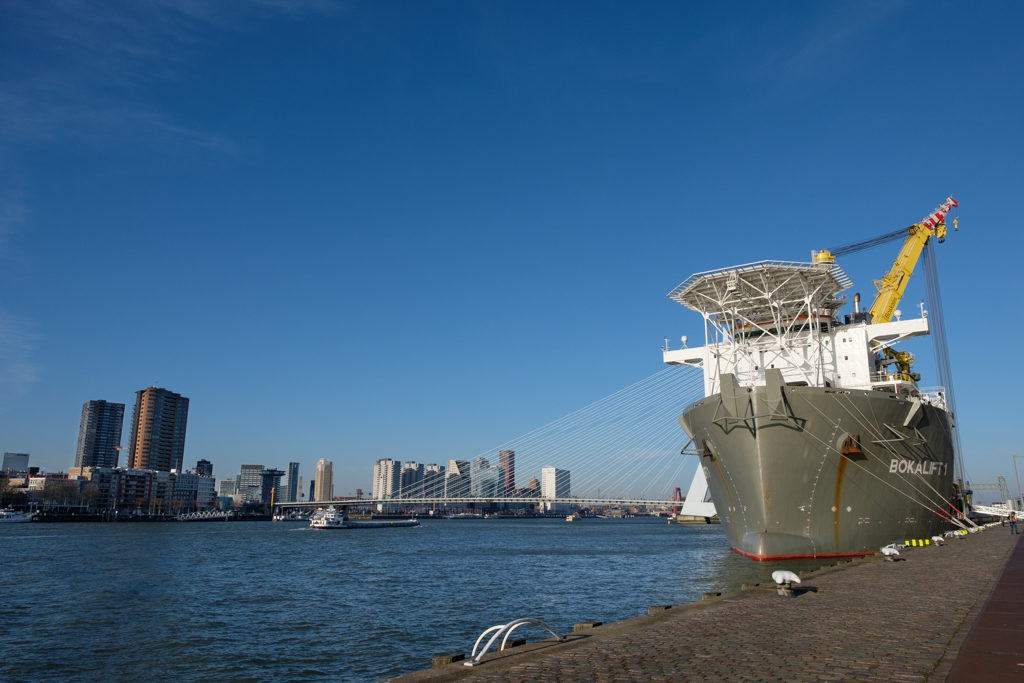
(864, 619)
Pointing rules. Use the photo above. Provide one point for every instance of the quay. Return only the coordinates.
(952, 612)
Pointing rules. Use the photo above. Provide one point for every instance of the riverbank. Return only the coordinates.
(861, 620)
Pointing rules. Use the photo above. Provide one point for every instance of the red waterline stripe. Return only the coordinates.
(804, 556)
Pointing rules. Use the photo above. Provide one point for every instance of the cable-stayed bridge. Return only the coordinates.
(624, 449)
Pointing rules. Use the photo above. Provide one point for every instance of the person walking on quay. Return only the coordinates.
(1013, 522)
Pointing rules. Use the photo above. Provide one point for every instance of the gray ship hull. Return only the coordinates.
(819, 472)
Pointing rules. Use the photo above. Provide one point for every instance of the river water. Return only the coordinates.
(263, 600)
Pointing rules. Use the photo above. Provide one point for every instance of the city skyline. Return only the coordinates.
(290, 204)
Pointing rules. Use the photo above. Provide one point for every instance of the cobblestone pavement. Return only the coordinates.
(867, 620)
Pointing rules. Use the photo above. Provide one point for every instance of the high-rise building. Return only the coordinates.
(250, 475)
(433, 481)
(507, 463)
(250, 482)
(204, 468)
(457, 479)
(16, 462)
(312, 488)
(291, 491)
(270, 486)
(99, 434)
(554, 483)
(228, 487)
(387, 478)
(487, 480)
(412, 479)
(158, 430)
(324, 479)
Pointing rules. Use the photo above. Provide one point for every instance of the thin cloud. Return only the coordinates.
(80, 60)
(829, 41)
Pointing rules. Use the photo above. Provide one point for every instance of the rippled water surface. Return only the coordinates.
(263, 600)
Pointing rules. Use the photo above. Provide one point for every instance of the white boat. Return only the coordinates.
(9, 515)
(330, 518)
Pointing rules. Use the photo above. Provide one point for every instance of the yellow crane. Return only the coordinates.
(890, 288)
(894, 283)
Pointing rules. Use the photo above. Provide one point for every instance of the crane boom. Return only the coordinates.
(892, 285)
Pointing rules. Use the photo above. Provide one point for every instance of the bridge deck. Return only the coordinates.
(464, 501)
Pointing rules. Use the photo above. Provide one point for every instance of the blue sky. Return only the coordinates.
(417, 230)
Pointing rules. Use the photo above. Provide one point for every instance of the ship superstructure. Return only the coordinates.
(814, 436)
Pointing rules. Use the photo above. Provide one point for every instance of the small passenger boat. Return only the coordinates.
(11, 515)
(330, 518)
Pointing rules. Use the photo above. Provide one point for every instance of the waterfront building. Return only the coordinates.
(99, 434)
(312, 486)
(16, 462)
(534, 485)
(228, 487)
(204, 468)
(135, 489)
(324, 479)
(433, 481)
(457, 479)
(412, 479)
(507, 464)
(163, 491)
(294, 486)
(158, 430)
(101, 485)
(554, 483)
(270, 488)
(192, 492)
(387, 478)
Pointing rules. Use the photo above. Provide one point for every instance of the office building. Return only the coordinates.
(99, 434)
(487, 480)
(192, 492)
(250, 475)
(387, 478)
(507, 464)
(554, 483)
(204, 468)
(158, 430)
(324, 479)
(15, 462)
(228, 487)
(294, 487)
(270, 485)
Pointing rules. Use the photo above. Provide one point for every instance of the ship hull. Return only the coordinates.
(820, 472)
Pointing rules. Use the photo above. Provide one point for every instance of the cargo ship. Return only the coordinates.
(813, 435)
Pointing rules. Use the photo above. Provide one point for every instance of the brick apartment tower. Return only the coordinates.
(507, 463)
(158, 430)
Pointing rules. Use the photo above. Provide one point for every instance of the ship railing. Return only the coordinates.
(935, 396)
